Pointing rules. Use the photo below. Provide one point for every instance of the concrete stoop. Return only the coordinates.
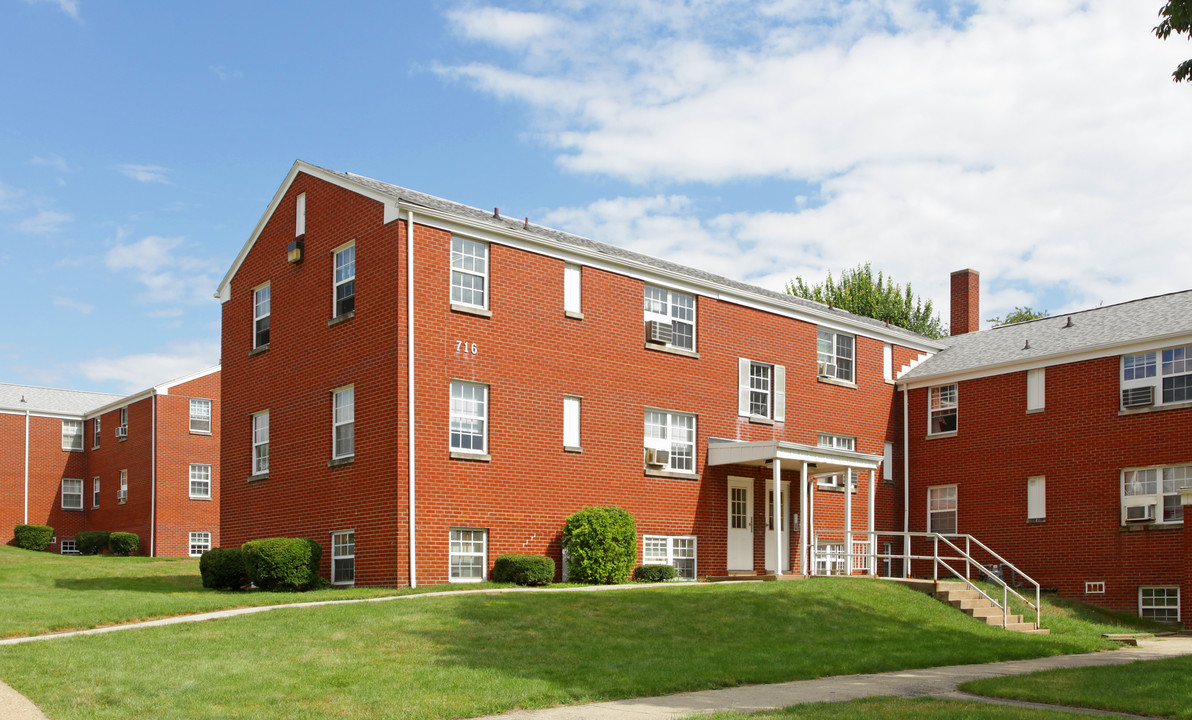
(973, 604)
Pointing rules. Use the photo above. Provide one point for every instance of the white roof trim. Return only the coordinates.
(827, 460)
(163, 389)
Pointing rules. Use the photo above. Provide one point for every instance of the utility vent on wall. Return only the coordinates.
(1094, 588)
(659, 333)
(1140, 513)
(1138, 397)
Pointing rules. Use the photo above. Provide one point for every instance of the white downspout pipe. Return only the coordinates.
(26, 520)
(811, 521)
(870, 525)
(410, 390)
(848, 521)
(803, 520)
(153, 477)
(777, 516)
(906, 483)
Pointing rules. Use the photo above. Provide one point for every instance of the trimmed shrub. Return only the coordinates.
(223, 569)
(524, 569)
(92, 542)
(602, 545)
(124, 543)
(653, 573)
(33, 537)
(283, 564)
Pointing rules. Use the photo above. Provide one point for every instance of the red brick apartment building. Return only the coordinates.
(147, 463)
(423, 386)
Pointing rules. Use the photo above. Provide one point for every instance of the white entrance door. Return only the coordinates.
(785, 542)
(740, 524)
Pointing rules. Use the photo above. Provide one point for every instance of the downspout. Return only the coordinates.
(153, 477)
(410, 385)
(906, 483)
(26, 520)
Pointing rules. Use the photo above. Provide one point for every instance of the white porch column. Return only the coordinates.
(803, 521)
(811, 536)
(848, 521)
(871, 525)
(776, 516)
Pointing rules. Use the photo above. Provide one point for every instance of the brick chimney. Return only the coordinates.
(966, 300)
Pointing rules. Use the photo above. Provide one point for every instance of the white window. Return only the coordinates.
(674, 309)
(834, 355)
(1035, 386)
(1159, 603)
(468, 554)
(469, 272)
(200, 481)
(1094, 587)
(888, 462)
(761, 390)
(571, 414)
(941, 509)
(1157, 378)
(572, 289)
(343, 423)
(72, 494)
(343, 557)
(200, 542)
(200, 415)
(95, 433)
(830, 559)
(678, 551)
(260, 443)
(260, 316)
(888, 362)
(95, 492)
(69, 547)
(837, 442)
(469, 417)
(1036, 498)
(300, 215)
(122, 493)
(1153, 494)
(122, 428)
(72, 435)
(671, 438)
(943, 411)
(344, 295)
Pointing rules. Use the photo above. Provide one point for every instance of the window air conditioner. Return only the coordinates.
(122, 431)
(826, 369)
(659, 333)
(1138, 397)
(121, 495)
(657, 457)
(1140, 513)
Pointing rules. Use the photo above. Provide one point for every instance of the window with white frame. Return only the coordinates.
(72, 435)
(571, 417)
(343, 557)
(834, 354)
(1153, 494)
(469, 417)
(761, 390)
(200, 481)
(200, 542)
(1161, 377)
(468, 554)
(673, 309)
(572, 289)
(72, 494)
(1159, 603)
(69, 547)
(95, 432)
(941, 509)
(1036, 498)
(469, 272)
(670, 440)
(200, 415)
(94, 492)
(830, 559)
(837, 442)
(122, 493)
(944, 410)
(260, 316)
(122, 428)
(343, 423)
(1036, 383)
(678, 551)
(344, 294)
(260, 443)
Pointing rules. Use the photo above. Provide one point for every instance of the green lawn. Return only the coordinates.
(884, 708)
(1155, 687)
(462, 656)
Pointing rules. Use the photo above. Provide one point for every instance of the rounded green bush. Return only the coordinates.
(601, 543)
(124, 543)
(653, 573)
(33, 537)
(92, 542)
(223, 569)
(283, 564)
(524, 569)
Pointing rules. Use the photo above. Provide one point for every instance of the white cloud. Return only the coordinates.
(145, 173)
(167, 273)
(44, 222)
(53, 161)
(140, 371)
(508, 28)
(70, 7)
(73, 304)
(9, 198)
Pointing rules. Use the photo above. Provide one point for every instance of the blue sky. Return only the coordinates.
(1039, 141)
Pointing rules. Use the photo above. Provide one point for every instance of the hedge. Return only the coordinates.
(223, 569)
(124, 543)
(92, 542)
(33, 537)
(524, 569)
(601, 543)
(653, 573)
(283, 564)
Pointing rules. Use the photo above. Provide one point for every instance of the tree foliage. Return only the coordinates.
(1176, 17)
(1019, 314)
(859, 292)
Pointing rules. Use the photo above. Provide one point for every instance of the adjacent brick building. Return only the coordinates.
(146, 463)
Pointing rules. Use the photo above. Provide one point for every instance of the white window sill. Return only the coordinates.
(340, 462)
(1154, 408)
(1035, 411)
(200, 497)
(1035, 521)
(651, 472)
(341, 318)
(671, 350)
(573, 314)
(200, 432)
(475, 457)
(836, 381)
(461, 581)
(258, 350)
(469, 310)
(572, 449)
(1151, 526)
(834, 488)
(258, 476)
(759, 420)
(933, 436)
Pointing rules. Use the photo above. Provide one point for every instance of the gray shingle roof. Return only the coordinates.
(49, 400)
(1104, 327)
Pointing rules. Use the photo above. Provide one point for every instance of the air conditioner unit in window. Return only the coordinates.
(659, 333)
(657, 457)
(826, 369)
(1140, 513)
(122, 431)
(121, 495)
(1138, 397)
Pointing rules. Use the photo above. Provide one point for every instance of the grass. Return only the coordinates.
(884, 708)
(1154, 687)
(469, 655)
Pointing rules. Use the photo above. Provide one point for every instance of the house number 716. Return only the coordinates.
(465, 347)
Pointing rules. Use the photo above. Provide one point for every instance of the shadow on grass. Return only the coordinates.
(147, 583)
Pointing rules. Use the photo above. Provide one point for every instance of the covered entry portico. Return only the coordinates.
(809, 462)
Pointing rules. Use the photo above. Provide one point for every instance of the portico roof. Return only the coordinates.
(827, 461)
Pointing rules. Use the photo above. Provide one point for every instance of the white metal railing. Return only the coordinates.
(830, 558)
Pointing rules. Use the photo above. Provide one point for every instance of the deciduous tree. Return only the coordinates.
(1176, 17)
(859, 292)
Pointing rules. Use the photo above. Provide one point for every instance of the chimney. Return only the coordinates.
(966, 299)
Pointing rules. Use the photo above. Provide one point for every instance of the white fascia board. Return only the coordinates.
(122, 402)
(1094, 352)
(42, 414)
(164, 388)
(648, 273)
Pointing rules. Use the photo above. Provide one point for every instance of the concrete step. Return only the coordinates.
(964, 603)
(959, 595)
